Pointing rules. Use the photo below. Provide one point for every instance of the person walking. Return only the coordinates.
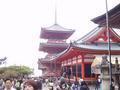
(39, 84)
(97, 84)
(8, 85)
(84, 86)
(30, 85)
(1, 85)
(75, 85)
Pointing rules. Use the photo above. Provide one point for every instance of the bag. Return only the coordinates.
(76, 87)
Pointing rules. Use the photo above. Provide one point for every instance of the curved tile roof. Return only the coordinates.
(113, 16)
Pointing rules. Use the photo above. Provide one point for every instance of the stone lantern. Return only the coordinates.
(105, 74)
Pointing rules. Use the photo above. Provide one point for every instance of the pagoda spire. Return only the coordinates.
(55, 11)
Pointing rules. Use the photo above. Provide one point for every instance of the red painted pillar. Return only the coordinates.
(72, 67)
(83, 67)
(76, 67)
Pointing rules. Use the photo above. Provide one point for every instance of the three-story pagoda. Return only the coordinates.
(56, 37)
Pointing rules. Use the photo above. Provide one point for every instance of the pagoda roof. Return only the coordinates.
(40, 65)
(53, 48)
(113, 17)
(53, 57)
(99, 33)
(56, 32)
(48, 58)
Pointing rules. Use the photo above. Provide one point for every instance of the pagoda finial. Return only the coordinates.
(55, 11)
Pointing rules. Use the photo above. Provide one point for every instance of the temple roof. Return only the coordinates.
(99, 34)
(56, 32)
(87, 49)
(113, 15)
(97, 40)
(53, 48)
(99, 46)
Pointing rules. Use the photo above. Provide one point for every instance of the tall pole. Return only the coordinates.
(55, 11)
(109, 45)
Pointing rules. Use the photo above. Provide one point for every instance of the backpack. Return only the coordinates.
(76, 87)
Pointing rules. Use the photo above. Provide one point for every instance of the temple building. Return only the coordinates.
(78, 58)
(56, 37)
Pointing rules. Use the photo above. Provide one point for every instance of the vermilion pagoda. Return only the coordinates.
(56, 37)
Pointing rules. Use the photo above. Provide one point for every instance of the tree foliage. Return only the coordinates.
(15, 71)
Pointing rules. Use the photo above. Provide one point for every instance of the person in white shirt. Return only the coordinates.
(8, 85)
(80, 80)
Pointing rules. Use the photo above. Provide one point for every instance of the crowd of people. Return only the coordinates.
(63, 83)
(20, 84)
(38, 84)
(60, 83)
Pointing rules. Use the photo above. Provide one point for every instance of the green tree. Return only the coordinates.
(15, 71)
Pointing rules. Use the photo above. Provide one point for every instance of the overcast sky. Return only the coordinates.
(21, 21)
